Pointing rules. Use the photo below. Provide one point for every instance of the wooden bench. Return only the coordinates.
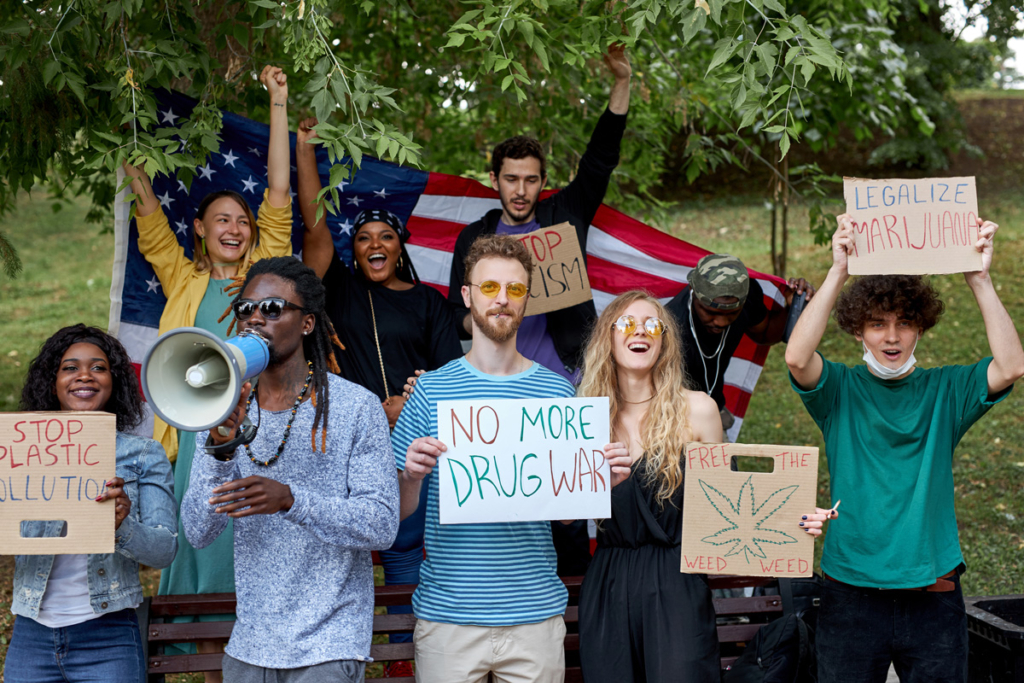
(739, 619)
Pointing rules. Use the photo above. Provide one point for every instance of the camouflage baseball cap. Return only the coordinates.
(718, 275)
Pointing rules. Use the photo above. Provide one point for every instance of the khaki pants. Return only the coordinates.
(528, 653)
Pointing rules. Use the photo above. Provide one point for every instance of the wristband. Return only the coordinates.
(225, 451)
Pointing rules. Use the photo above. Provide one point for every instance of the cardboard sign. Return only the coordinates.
(747, 523)
(52, 467)
(913, 227)
(560, 275)
(523, 460)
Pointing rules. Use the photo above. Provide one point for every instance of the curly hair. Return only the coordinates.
(125, 400)
(666, 427)
(498, 246)
(908, 296)
(317, 346)
(518, 147)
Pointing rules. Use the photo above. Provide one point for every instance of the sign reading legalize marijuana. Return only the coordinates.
(747, 523)
(521, 460)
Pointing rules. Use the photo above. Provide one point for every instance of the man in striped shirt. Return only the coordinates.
(489, 599)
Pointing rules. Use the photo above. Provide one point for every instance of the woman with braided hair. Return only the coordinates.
(311, 495)
(390, 323)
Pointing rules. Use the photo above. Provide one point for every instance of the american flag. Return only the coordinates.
(622, 253)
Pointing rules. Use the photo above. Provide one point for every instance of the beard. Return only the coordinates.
(515, 213)
(498, 331)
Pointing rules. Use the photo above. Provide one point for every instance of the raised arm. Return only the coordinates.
(618, 63)
(1007, 364)
(317, 245)
(145, 201)
(804, 364)
(278, 167)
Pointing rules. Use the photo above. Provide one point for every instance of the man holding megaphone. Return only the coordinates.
(311, 494)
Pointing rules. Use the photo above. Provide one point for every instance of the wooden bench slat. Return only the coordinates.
(737, 633)
(390, 652)
(183, 664)
(758, 604)
(184, 605)
(190, 632)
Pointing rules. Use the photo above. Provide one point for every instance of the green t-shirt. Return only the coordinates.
(890, 459)
(213, 305)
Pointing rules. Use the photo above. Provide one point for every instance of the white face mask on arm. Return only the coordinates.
(884, 372)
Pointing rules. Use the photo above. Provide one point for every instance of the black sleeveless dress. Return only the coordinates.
(640, 618)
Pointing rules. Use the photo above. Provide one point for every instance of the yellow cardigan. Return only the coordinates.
(185, 288)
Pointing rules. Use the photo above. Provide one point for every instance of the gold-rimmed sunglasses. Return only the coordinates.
(490, 289)
(626, 324)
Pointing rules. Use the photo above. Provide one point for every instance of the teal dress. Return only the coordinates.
(212, 569)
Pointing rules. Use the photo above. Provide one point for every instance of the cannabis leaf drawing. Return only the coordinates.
(745, 530)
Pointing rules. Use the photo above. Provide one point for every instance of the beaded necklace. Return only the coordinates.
(288, 427)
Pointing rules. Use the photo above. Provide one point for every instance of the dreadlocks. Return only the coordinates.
(316, 346)
(125, 401)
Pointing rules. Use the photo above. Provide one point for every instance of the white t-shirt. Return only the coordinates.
(66, 598)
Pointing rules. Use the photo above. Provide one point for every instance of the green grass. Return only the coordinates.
(67, 280)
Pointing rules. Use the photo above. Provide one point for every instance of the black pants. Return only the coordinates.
(862, 630)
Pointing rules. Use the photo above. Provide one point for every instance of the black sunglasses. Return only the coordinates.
(271, 308)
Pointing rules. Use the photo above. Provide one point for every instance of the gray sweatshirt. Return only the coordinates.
(304, 578)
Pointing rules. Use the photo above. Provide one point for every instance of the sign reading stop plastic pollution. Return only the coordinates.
(747, 523)
(52, 468)
(913, 227)
(523, 460)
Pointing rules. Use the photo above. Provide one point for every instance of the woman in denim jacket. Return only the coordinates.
(76, 613)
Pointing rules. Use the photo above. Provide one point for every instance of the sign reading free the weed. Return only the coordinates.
(522, 460)
(52, 468)
(747, 523)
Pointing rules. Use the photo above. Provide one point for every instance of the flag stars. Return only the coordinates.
(180, 227)
(165, 200)
(342, 184)
(250, 185)
(181, 186)
(168, 116)
(346, 227)
(354, 201)
(382, 193)
(152, 285)
(206, 171)
(229, 159)
(256, 152)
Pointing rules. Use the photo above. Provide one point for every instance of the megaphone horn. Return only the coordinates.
(192, 379)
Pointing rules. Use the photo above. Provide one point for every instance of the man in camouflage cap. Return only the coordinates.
(721, 304)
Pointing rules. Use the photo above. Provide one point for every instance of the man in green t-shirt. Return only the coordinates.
(892, 560)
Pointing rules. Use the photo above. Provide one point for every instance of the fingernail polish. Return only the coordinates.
(99, 498)
(804, 517)
(801, 523)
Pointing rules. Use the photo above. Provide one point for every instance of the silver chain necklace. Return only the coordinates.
(717, 354)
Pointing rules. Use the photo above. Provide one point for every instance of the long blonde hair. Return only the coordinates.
(665, 427)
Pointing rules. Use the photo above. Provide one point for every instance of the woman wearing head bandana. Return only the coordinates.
(389, 323)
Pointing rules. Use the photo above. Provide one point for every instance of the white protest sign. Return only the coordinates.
(52, 467)
(913, 227)
(523, 460)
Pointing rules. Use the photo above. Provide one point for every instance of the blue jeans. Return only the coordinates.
(403, 559)
(107, 649)
(862, 630)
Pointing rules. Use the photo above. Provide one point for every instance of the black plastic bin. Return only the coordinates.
(995, 628)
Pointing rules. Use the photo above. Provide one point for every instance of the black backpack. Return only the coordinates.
(781, 652)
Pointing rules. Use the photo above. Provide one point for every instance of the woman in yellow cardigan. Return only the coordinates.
(227, 239)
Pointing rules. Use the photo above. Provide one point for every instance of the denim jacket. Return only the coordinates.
(148, 535)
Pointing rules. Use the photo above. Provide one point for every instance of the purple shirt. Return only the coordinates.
(533, 340)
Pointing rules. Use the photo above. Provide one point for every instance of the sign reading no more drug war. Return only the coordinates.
(560, 274)
(52, 467)
(747, 523)
(913, 227)
(523, 460)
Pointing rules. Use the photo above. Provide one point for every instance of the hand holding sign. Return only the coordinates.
(984, 247)
(421, 458)
(620, 461)
(560, 274)
(122, 503)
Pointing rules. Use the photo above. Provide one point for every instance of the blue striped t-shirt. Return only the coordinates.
(495, 574)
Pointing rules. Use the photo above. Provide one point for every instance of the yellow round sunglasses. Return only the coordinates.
(490, 289)
(626, 324)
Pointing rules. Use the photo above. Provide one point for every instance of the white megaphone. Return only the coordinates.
(192, 379)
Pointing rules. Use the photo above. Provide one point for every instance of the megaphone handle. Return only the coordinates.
(795, 309)
(225, 451)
